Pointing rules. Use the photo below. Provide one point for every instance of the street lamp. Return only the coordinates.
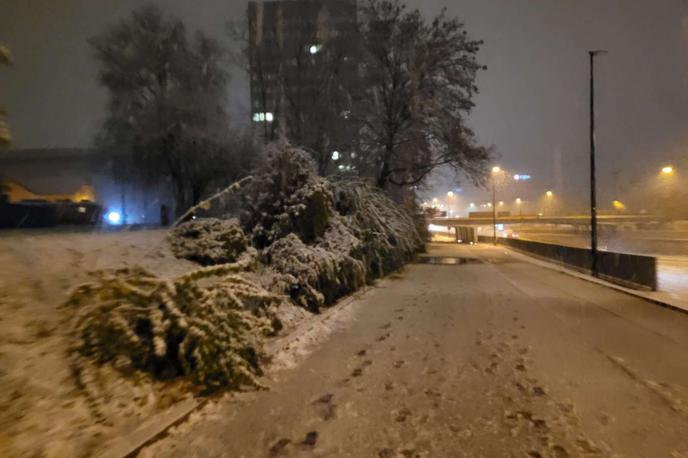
(450, 194)
(549, 193)
(667, 170)
(593, 187)
(495, 170)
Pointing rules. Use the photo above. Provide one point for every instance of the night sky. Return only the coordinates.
(533, 105)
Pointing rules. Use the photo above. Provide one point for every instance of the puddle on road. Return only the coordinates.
(447, 261)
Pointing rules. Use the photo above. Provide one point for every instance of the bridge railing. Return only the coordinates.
(635, 271)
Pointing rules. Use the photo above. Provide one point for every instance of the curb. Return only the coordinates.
(151, 430)
(581, 276)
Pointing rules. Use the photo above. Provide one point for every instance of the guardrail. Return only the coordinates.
(632, 270)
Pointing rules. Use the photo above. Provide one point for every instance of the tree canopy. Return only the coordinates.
(166, 101)
(417, 88)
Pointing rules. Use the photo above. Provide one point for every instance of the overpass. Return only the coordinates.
(573, 220)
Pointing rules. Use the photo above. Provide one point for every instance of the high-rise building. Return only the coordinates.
(302, 57)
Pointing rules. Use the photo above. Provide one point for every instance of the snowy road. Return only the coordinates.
(490, 357)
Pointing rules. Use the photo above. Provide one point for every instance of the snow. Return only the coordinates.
(41, 409)
(147, 329)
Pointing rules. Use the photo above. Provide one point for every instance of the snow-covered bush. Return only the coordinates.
(286, 195)
(207, 325)
(313, 275)
(388, 235)
(208, 241)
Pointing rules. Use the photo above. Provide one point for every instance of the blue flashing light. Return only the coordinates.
(114, 217)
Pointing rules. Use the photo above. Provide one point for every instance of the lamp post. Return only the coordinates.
(495, 171)
(593, 185)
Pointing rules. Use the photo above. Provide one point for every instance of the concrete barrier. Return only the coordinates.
(630, 270)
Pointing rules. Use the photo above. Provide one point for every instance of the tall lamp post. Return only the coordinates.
(593, 185)
(495, 171)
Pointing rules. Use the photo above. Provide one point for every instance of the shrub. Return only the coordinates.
(388, 235)
(312, 275)
(208, 241)
(286, 195)
(207, 325)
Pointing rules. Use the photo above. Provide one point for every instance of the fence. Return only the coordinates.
(631, 270)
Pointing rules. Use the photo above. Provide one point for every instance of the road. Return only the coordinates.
(490, 356)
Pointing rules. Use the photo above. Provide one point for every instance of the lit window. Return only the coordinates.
(262, 117)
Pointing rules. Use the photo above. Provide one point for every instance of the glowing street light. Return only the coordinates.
(501, 202)
(667, 170)
(495, 171)
(472, 205)
(549, 193)
(518, 200)
(450, 194)
(435, 200)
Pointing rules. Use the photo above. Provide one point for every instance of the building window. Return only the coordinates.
(263, 117)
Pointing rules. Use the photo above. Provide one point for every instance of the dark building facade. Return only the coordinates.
(76, 175)
(302, 57)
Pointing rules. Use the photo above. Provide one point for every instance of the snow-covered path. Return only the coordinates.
(490, 356)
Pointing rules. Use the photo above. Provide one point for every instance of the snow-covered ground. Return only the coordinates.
(491, 356)
(41, 409)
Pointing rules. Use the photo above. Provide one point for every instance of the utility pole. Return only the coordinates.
(494, 211)
(495, 171)
(593, 184)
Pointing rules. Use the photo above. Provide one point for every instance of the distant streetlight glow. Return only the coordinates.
(435, 200)
(496, 169)
(501, 202)
(450, 194)
(549, 193)
(518, 200)
(489, 204)
(667, 170)
(472, 205)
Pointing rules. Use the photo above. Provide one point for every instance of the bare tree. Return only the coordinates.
(418, 82)
(166, 101)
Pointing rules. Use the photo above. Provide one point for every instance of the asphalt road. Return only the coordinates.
(490, 356)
